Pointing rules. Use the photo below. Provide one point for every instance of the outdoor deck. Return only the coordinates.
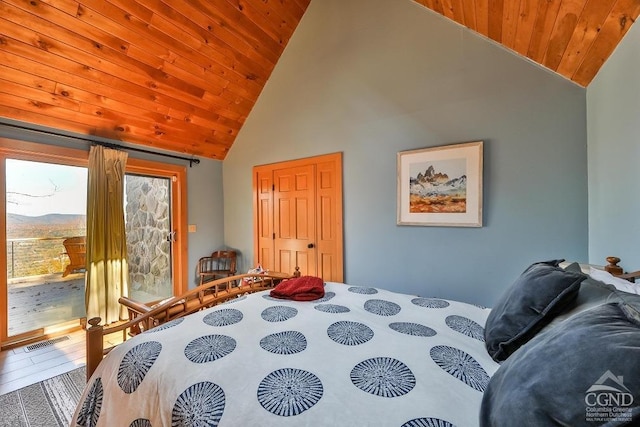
(39, 301)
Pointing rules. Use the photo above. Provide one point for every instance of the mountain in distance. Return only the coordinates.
(432, 184)
(48, 219)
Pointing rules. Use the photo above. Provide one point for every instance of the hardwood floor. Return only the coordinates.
(20, 368)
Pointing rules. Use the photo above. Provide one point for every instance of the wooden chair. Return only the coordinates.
(76, 250)
(219, 265)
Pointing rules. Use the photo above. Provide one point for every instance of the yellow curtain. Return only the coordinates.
(107, 270)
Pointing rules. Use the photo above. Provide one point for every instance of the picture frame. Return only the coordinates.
(441, 186)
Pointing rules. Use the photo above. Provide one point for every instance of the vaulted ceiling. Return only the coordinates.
(184, 75)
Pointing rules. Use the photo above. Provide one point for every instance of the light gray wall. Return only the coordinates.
(204, 189)
(613, 117)
(371, 78)
(205, 211)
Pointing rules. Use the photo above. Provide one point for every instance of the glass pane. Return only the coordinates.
(46, 204)
(148, 228)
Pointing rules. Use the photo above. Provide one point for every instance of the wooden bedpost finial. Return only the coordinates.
(613, 267)
(94, 322)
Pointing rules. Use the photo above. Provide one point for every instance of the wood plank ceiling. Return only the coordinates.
(571, 37)
(184, 75)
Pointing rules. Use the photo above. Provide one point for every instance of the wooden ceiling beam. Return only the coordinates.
(587, 29)
(615, 26)
(543, 29)
(184, 75)
(510, 19)
(482, 17)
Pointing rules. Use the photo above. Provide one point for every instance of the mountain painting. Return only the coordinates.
(438, 186)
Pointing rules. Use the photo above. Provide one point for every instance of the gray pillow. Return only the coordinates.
(584, 372)
(535, 298)
(591, 294)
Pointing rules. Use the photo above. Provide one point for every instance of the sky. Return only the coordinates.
(454, 168)
(50, 188)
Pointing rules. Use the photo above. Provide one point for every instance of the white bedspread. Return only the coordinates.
(358, 357)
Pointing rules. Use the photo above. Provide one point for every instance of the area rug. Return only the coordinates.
(48, 403)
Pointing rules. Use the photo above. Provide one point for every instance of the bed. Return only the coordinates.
(364, 356)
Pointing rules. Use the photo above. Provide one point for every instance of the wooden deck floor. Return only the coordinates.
(38, 302)
(41, 301)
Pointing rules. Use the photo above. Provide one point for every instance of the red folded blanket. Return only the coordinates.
(303, 288)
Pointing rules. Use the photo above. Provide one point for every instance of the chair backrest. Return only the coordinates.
(225, 261)
(76, 248)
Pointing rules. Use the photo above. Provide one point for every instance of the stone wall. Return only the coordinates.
(148, 223)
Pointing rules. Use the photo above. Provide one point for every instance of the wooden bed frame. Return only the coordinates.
(143, 317)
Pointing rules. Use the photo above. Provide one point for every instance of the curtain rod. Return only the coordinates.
(191, 160)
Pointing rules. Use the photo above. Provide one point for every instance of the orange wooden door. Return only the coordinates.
(294, 219)
(263, 219)
(329, 219)
(298, 216)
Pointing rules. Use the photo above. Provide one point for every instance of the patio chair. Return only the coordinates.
(76, 250)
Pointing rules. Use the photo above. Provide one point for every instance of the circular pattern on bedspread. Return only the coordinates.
(362, 290)
(332, 308)
(411, 328)
(202, 404)
(140, 422)
(288, 392)
(224, 317)
(349, 333)
(92, 405)
(430, 302)
(383, 376)
(327, 296)
(169, 324)
(287, 342)
(209, 348)
(427, 422)
(460, 365)
(465, 326)
(382, 307)
(278, 313)
(136, 363)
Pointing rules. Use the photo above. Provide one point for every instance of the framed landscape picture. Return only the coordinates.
(441, 186)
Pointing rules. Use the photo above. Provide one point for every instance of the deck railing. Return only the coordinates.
(35, 256)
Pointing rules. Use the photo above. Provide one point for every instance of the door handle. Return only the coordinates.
(310, 245)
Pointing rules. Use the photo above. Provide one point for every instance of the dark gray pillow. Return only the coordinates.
(534, 299)
(591, 293)
(584, 372)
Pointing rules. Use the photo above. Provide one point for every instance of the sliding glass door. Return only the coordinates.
(44, 227)
(45, 208)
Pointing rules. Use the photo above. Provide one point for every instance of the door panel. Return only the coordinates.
(329, 220)
(263, 225)
(295, 219)
(149, 234)
(45, 205)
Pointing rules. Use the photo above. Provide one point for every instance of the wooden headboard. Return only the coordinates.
(613, 268)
